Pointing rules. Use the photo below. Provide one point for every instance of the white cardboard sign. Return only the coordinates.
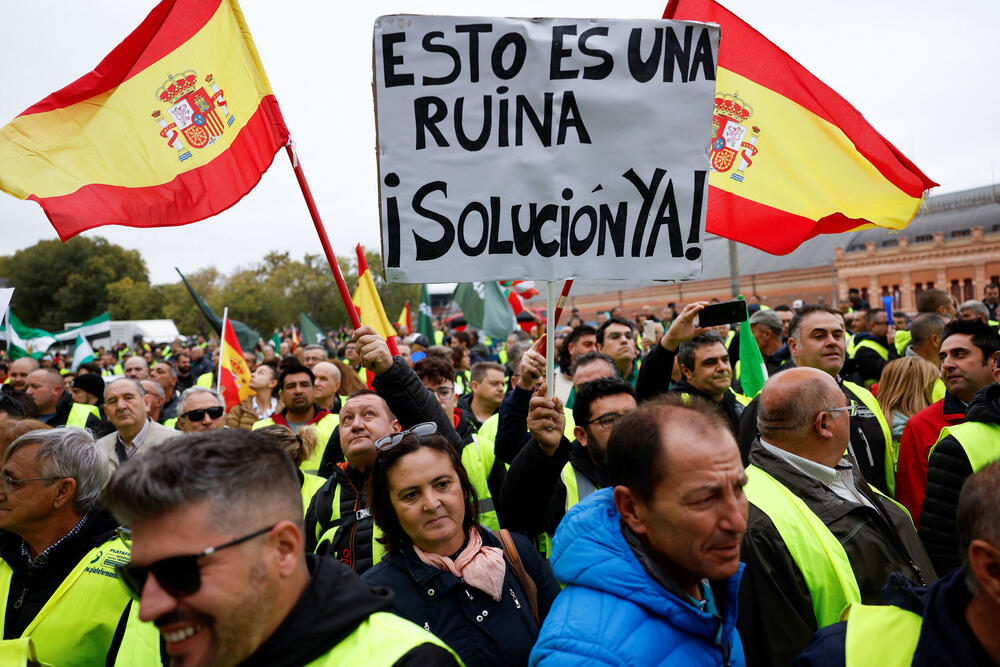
(542, 148)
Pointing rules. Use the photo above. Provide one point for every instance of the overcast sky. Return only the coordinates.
(923, 73)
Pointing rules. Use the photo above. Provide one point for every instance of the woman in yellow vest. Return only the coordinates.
(447, 572)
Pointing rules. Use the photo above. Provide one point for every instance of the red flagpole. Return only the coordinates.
(345, 294)
(562, 301)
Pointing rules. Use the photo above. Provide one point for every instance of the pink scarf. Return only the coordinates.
(481, 567)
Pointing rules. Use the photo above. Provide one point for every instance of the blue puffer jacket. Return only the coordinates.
(612, 612)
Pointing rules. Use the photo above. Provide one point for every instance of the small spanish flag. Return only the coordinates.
(790, 158)
(234, 379)
(367, 301)
(175, 125)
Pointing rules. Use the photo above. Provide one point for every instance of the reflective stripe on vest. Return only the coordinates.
(478, 459)
(901, 341)
(816, 551)
(939, 390)
(382, 639)
(487, 433)
(578, 486)
(77, 624)
(171, 423)
(981, 442)
(79, 412)
(205, 380)
(740, 398)
(871, 403)
(880, 636)
(337, 524)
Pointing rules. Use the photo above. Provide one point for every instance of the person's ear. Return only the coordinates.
(580, 434)
(287, 542)
(65, 493)
(984, 562)
(631, 509)
(822, 425)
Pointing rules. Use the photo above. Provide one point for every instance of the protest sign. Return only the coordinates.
(542, 148)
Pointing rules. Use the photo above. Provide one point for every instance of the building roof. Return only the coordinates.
(951, 213)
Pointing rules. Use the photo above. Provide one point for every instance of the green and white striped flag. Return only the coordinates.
(82, 353)
(24, 341)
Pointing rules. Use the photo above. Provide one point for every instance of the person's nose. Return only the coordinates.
(155, 601)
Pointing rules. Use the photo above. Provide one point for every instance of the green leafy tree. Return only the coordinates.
(60, 282)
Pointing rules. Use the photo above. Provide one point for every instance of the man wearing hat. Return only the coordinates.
(767, 327)
(88, 390)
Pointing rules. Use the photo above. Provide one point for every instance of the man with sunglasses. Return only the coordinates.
(201, 410)
(58, 552)
(218, 564)
(550, 474)
(819, 537)
(125, 408)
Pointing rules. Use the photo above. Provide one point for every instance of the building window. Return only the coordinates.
(890, 243)
(958, 233)
(864, 294)
(968, 292)
(857, 247)
(918, 289)
(924, 238)
(956, 289)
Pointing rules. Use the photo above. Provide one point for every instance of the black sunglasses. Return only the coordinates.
(197, 415)
(179, 576)
(385, 443)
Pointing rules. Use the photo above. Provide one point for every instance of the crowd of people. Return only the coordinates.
(444, 506)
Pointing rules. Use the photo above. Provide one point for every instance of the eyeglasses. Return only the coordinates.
(8, 483)
(198, 414)
(606, 421)
(385, 443)
(179, 576)
(444, 391)
(851, 409)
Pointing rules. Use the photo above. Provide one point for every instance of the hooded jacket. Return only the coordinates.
(614, 612)
(945, 637)
(947, 469)
(334, 605)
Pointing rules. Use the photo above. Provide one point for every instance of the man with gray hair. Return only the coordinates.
(165, 373)
(201, 409)
(219, 568)
(58, 553)
(818, 537)
(124, 404)
(974, 310)
(153, 398)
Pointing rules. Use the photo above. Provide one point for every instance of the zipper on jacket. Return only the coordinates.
(517, 603)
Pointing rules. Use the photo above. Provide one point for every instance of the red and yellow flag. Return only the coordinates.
(175, 125)
(367, 301)
(234, 380)
(792, 159)
(405, 319)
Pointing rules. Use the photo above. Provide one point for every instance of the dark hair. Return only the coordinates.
(588, 392)
(976, 517)
(983, 336)
(608, 323)
(807, 310)
(457, 353)
(686, 350)
(870, 315)
(480, 368)
(295, 370)
(377, 488)
(239, 473)
(636, 456)
(931, 299)
(463, 337)
(434, 369)
(590, 358)
(565, 362)
(926, 325)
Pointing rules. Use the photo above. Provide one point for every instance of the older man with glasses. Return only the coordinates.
(819, 537)
(58, 553)
(201, 409)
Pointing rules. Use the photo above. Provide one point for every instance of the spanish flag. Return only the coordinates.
(175, 125)
(790, 158)
(367, 301)
(234, 376)
(405, 319)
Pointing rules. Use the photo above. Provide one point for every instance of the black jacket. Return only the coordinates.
(776, 613)
(534, 496)
(35, 587)
(512, 424)
(866, 366)
(63, 407)
(867, 438)
(947, 469)
(333, 605)
(352, 543)
(654, 373)
(482, 631)
(945, 637)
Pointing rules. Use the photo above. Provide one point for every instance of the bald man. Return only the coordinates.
(819, 537)
(136, 368)
(55, 405)
(326, 385)
(17, 381)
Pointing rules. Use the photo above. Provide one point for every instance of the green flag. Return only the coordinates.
(425, 318)
(248, 337)
(82, 353)
(311, 333)
(485, 308)
(276, 341)
(24, 341)
(753, 372)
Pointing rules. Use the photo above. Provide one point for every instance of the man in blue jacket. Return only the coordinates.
(652, 563)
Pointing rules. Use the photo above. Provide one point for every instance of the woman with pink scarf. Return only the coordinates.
(448, 573)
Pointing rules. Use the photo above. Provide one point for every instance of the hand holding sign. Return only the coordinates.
(531, 368)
